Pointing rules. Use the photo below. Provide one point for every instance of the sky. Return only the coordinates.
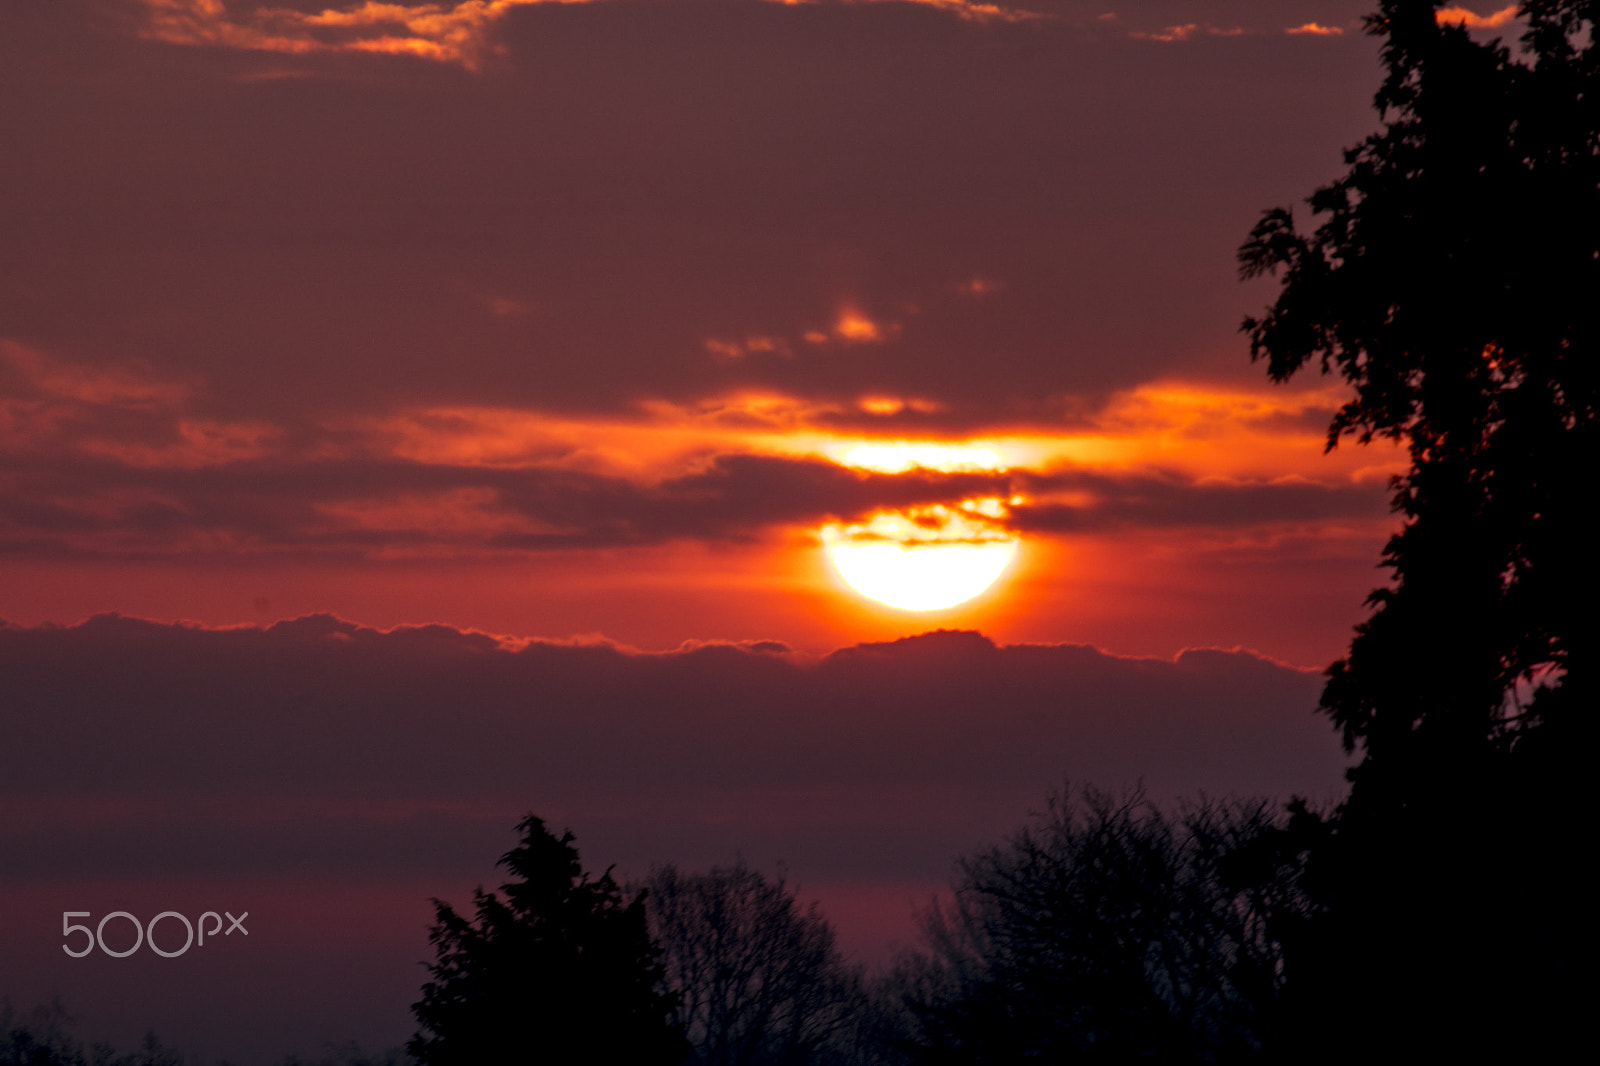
(418, 415)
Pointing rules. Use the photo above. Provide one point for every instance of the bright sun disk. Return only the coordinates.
(925, 558)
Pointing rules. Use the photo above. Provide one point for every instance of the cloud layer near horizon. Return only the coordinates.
(121, 730)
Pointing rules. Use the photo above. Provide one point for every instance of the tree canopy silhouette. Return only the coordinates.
(1454, 282)
(43, 1037)
(556, 968)
(1106, 931)
(760, 980)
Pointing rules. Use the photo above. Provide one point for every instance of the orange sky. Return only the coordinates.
(507, 316)
(1172, 513)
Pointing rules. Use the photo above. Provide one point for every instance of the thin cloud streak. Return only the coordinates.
(446, 34)
(1455, 15)
(112, 462)
(460, 33)
(1315, 30)
(385, 509)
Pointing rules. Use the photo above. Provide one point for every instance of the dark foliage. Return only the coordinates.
(1454, 282)
(557, 968)
(352, 1054)
(1107, 931)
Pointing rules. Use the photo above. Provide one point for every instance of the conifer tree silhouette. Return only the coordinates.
(556, 968)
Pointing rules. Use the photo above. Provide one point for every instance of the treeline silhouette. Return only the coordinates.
(44, 1036)
(1106, 930)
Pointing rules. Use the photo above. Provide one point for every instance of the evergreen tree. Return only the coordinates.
(556, 968)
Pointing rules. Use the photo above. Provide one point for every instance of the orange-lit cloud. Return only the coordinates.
(978, 287)
(199, 442)
(850, 326)
(971, 12)
(1191, 429)
(853, 326)
(447, 33)
(965, 10)
(506, 307)
(120, 413)
(428, 524)
(1186, 31)
(108, 461)
(753, 345)
(893, 405)
(1314, 29)
(1199, 430)
(1456, 15)
(443, 32)
(117, 386)
(1208, 431)
(1169, 33)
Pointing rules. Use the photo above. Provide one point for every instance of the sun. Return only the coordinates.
(922, 577)
(925, 558)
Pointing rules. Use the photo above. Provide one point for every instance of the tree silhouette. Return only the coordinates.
(1453, 283)
(1105, 932)
(760, 981)
(43, 1037)
(351, 1053)
(557, 969)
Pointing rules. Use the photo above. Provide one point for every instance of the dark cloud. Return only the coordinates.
(93, 506)
(351, 749)
(1145, 501)
(97, 507)
(640, 178)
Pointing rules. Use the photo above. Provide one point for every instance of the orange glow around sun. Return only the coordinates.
(1161, 461)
